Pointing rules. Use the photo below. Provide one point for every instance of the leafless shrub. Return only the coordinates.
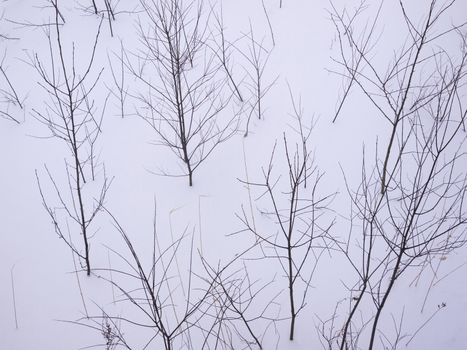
(214, 313)
(299, 240)
(71, 116)
(409, 206)
(185, 86)
(257, 57)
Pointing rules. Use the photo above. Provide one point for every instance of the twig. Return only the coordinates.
(14, 296)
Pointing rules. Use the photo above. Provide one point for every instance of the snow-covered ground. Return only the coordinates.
(45, 304)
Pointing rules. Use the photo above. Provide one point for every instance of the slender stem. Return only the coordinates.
(14, 296)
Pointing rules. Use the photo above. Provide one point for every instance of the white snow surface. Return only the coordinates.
(37, 274)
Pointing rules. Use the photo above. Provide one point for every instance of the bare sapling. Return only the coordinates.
(185, 86)
(410, 203)
(300, 214)
(257, 56)
(72, 116)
